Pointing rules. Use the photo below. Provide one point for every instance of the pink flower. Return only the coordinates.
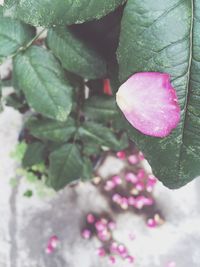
(90, 218)
(121, 154)
(101, 252)
(86, 234)
(149, 103)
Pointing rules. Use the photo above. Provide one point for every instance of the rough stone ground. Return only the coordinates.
(26, 224)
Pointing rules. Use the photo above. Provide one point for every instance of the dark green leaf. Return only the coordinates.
(13, 35)
(164, 36)
(101, 108)
(65, 166)
(28, 193)
(99, 134)
(39, 75)
(87, 169)
(75, 55)
(34, 154)
(48, 12)
(52, 130)
(91, 149)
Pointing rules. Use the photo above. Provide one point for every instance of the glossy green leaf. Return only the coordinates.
(75, 55)
(99, 134)
(47, 129)
(164, 36)
(48, 12)
(40, 76)
(65, 166)
(34, 154)
(13, 35)
(100, 108)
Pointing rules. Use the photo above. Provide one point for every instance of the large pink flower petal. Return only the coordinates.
(149, 103)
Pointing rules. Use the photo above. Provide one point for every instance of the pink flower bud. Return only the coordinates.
(101, 252)
(114, 247)
(133, 159)
(90, 218)
(151, 223)
(109, 185)
(49, 249)
(131, 177)
(130, 259)
(86, 234)
(112, 260)
(116, 198)
(54, 241)
(112, 225)
(117, 180)
(141, 156)
(100, 226)
(121, 154)
(131, 201)
(149, 103)
(141, 174)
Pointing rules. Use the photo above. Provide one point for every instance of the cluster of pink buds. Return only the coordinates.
(113, 183)
(103, 227)
(52, 244)
(137, 202)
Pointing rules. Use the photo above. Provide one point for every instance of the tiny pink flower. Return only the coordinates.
(100, 226)
(141, 174)
(149, 103)
(130, 259)
(54, 241)
(112, 225)
(90, 218)
(133, 159)
(49, 249)
(140, 186)
(86, 234)
(117, 180)
(109, 185)
(116, 198)
(151, 223)
(131, 201)
(112, 260)
(121, 249)
(141, 156)
(121, 154)
(131, 177)
(114, 247)
(101, 252)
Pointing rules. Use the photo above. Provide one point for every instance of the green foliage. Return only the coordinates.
(79, 58)
(59, 80)
(13, 35)
(41, 78)
(49, 13)
(166, 44)
(46, 129)
(65, 166)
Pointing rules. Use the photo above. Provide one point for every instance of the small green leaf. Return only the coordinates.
(75, 55)
(50, 12)
(56, 131)
(13, 35)
(28, 193)
(34, 154)
(65, 166)
(41, 78)
(100, 108)
(99, 134)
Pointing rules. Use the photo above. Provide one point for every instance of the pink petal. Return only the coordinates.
(149, 103)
